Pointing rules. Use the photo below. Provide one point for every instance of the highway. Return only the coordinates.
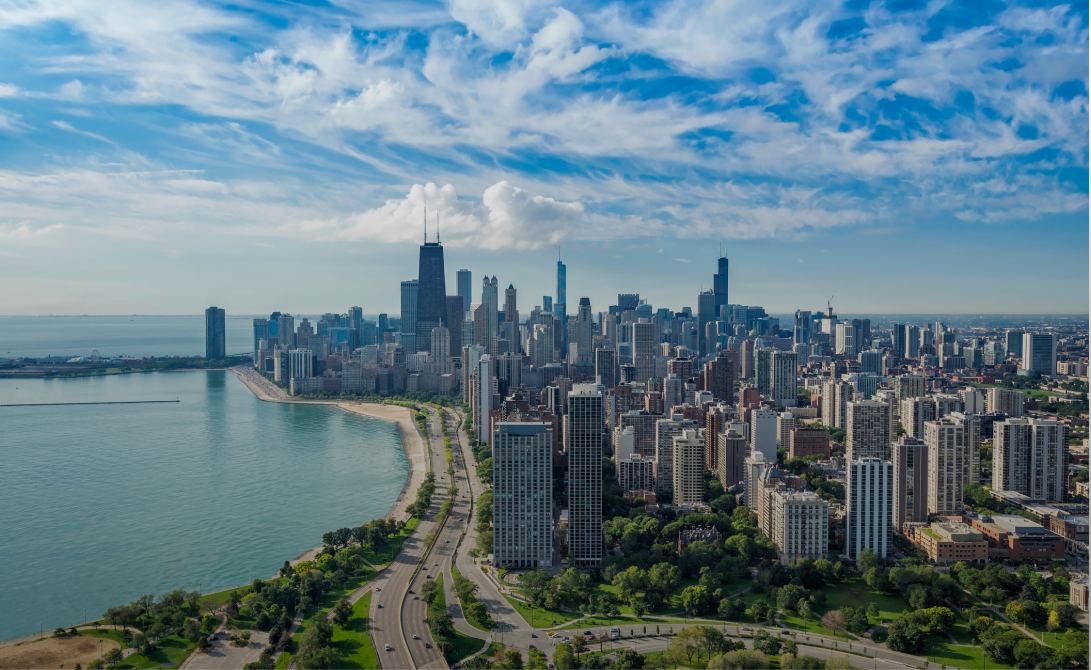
(402, 615)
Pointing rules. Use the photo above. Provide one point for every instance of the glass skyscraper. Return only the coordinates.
(431, 294)
(465, 290)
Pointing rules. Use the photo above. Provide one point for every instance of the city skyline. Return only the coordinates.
(949, 143)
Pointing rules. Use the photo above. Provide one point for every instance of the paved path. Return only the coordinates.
(222, 656)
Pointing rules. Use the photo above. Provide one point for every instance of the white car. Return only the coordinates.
(416, 637)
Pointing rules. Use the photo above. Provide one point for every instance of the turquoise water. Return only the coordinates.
(100, 504)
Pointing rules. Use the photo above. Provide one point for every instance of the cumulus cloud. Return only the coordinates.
(507, 218)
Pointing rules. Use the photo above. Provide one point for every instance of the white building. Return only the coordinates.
(583, 443)
(971, 427)
(869, 499)
(1030, 457)
(973, 400)
(763, 432)
(868, 433)
(836, 395)
(846, 344)
(635, 473)
(946, 440)
(689, 469)
(914, 413)
(1005, 401)
(1039, 353)
(299, 364)
(786, 422)
(665, 432)
(755, 466)
(783, 376)
(800, 525)
(522, 503)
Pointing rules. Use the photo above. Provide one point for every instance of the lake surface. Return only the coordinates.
(102, 503)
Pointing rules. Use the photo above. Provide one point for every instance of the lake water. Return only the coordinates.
(102, 503)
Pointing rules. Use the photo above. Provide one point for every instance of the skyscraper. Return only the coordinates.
(261, 332)
(455, 318)
(410, 292)
(560, 309)
(511, 309)
(706, 313)
(1030, 457)
(583, 443)
(946, 440)
(869, 498)
(465, 289)
(782, 366)
(1039, 353)
(606, 367)
(868, 432)
(644, 350)
(522, 460)
(584, 332)
(215, 334)
(431, 292)
(490, 302)
(719, 285)
(689, 469)
(910, 461)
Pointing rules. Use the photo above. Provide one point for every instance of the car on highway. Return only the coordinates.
(551, 633)
(784, 632)
(591, 636)
(427, 646)
(379, 606)
(389, 648)
(746, 629)
(378, 589)
(410, 591)
(416, 637)
(586, 632)
(446, 542)
(416, 597)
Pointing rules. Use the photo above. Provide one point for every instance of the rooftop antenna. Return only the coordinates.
(437, 227)
(426, 224)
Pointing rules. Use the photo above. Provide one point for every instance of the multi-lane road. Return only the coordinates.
(401, 636)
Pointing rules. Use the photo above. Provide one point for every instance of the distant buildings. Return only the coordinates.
(215, 334)
(1039, 353)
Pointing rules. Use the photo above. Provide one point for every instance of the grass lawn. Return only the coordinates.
(325, 605)
(622, 622)
(539, 617)
(1047, 638)
(393, 547)
(813, 625)
(170, 651)
(959, 656)
(493, 648)
(608, 589)
(480, 625)
(353, 640)
(664, 657)
(219, 599)
(462, 645)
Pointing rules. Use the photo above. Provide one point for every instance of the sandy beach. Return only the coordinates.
(416, 451)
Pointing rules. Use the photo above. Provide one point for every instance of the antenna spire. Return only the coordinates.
(426, 224)
(437, 227)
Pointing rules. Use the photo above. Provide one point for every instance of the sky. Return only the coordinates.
(902, 157)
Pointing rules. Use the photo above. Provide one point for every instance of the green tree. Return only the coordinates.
(759, 610)
(513, 660)
(579, 645)
(342, 612)
(326, 658)
(536, 660)
(866, 560)
(873, 611)
(564, 658)
(695, 599)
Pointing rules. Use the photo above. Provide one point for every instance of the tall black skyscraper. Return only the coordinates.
(431, 292)
(215, 334)
(719, 285)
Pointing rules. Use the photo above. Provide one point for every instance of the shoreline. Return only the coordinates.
(416, 450)
(413, 444)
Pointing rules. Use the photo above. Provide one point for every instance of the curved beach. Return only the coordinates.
(416, 451)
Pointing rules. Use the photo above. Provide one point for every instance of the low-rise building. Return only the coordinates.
(1077, 593)
(636, 473)
(1018, 540)
(947, 542)
(691, 535)
(809, 442)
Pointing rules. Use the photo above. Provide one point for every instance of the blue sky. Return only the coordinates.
(157, 157)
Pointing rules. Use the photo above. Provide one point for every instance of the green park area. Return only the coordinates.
(381, 556)
(455, 645)
(353, 641)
